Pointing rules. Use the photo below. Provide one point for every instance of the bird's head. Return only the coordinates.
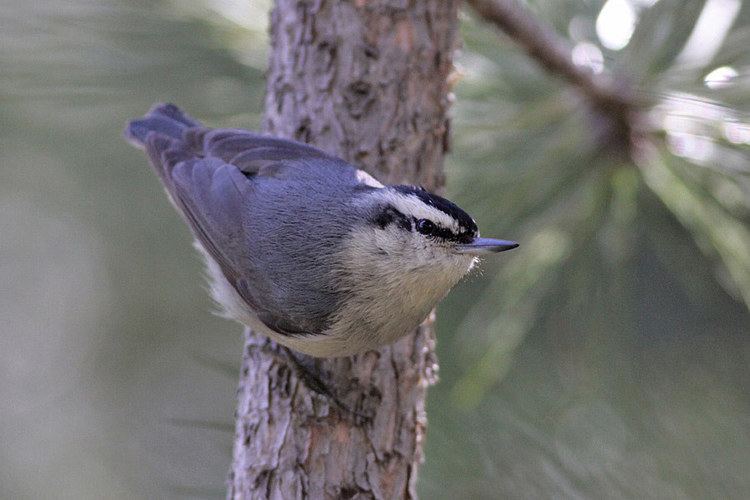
(408, 229)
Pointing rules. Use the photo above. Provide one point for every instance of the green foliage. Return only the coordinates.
(606, 356)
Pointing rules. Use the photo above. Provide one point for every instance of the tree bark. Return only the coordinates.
(366, 80)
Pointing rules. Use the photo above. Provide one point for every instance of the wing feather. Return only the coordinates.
(212, 176)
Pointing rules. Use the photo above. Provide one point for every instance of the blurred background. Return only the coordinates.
(609, 357)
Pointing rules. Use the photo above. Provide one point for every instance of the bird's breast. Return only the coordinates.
(388, 304)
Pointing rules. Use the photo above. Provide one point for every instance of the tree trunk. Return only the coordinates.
(366, 80)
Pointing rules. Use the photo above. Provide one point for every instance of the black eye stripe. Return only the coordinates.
(389, 215)
(426, 226)
(440, 203)
(432, 230)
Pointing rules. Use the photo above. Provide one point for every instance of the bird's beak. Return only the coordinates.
(482, 246)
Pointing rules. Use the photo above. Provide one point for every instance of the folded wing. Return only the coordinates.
(210, 175)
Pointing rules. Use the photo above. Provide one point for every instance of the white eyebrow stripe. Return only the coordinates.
(412, 206)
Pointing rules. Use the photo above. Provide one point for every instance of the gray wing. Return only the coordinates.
(213, 177)
(248, 151)
(212, 195)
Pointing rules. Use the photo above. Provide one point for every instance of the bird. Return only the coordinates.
(300, 245)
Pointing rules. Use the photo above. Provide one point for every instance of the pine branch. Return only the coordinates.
(611, 99)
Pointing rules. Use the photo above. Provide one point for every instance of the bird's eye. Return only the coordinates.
(425, 226)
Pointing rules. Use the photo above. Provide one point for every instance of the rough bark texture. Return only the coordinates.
(367, 80)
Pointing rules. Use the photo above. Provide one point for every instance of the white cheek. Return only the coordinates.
(426, 253)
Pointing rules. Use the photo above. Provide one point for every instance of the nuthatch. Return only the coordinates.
(300, 245)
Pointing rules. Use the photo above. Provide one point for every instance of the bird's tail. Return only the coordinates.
(165, 119)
